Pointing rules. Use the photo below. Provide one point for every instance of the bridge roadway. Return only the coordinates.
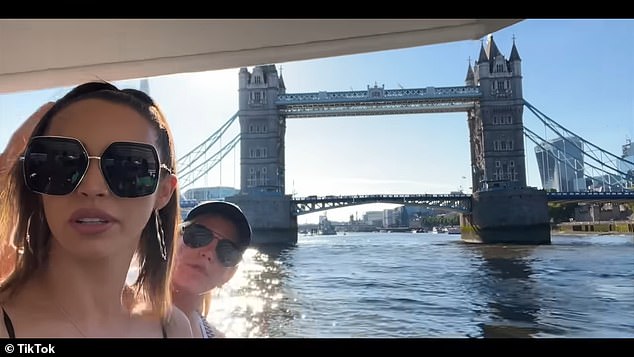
(378, 101)
(449, 202)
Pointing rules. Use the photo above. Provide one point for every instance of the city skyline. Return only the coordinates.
(578, 72)
(560, 167)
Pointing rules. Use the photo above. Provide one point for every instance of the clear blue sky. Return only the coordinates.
(578, 72)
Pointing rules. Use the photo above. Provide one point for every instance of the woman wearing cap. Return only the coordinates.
(214, 237)
(73, 215)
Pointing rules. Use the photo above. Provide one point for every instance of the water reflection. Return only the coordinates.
(505, 281)
(418, 285)
(261, 299)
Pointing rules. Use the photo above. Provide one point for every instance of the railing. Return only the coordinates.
(449, 202)
(590, 196)
(374, 94)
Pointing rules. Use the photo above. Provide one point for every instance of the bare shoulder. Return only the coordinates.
(177, 324)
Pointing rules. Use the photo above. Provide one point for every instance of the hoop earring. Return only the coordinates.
(27, 238)
(160, 235)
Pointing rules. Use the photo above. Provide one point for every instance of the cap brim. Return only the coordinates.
(228, 210)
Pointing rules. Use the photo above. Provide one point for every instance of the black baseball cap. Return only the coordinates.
(228, 210)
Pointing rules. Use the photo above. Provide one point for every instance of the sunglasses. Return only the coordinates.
(197, 236)
(55, 165)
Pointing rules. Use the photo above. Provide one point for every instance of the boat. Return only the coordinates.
(325, 228)
(453, 230)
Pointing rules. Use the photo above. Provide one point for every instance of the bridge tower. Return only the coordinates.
(503, 208)
(495, 124)
(262, 182)
(262, 131)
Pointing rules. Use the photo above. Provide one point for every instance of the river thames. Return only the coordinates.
(431, 285)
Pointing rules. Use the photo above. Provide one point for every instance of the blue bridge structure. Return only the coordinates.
(456, 202)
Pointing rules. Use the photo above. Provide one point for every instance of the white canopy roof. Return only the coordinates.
(37, 54)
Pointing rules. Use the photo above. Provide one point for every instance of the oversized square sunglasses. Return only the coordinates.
(196, 236)
(55, 165)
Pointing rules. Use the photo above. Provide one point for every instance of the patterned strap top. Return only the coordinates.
(205, 328)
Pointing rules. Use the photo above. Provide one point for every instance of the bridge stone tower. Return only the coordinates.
(262, 131)
(495, 124)
(503, 208)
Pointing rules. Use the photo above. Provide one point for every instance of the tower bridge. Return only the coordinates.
(501, 205)
(501, 209)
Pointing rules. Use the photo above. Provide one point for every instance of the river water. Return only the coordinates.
(431, 285)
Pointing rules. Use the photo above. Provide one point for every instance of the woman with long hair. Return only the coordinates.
(88, 186)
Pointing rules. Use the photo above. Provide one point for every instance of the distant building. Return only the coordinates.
(560, 163)
(400, 217)
(628, 154)
(210, 193)
(144, 86)
(418, 210)
(194, 196)
(603, 212)
(605, 183)
(417, 214)
(373, 218)
(388, 218)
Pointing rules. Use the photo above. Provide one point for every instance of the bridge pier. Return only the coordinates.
(270, 218)
(511, 216)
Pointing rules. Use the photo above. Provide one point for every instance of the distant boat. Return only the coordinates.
(327, 232)
(453, 230)
(326, 229)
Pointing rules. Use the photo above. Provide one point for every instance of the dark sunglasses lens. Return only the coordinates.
(228, 254)
(196, 236)
(130, 169)
(54, 166)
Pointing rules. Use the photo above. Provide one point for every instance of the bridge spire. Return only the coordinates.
(281, 79)
(470, 80)
(492, 48)
(515, 56)
(483, 55)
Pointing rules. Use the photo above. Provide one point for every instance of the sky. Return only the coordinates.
(578, 72)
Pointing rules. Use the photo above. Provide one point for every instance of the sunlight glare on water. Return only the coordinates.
(430, 285)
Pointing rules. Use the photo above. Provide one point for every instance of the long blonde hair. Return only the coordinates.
(24, 231)
(206, 304)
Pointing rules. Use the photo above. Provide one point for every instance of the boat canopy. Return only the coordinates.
(46, 53)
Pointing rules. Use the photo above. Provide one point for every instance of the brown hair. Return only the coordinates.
(25, 234)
